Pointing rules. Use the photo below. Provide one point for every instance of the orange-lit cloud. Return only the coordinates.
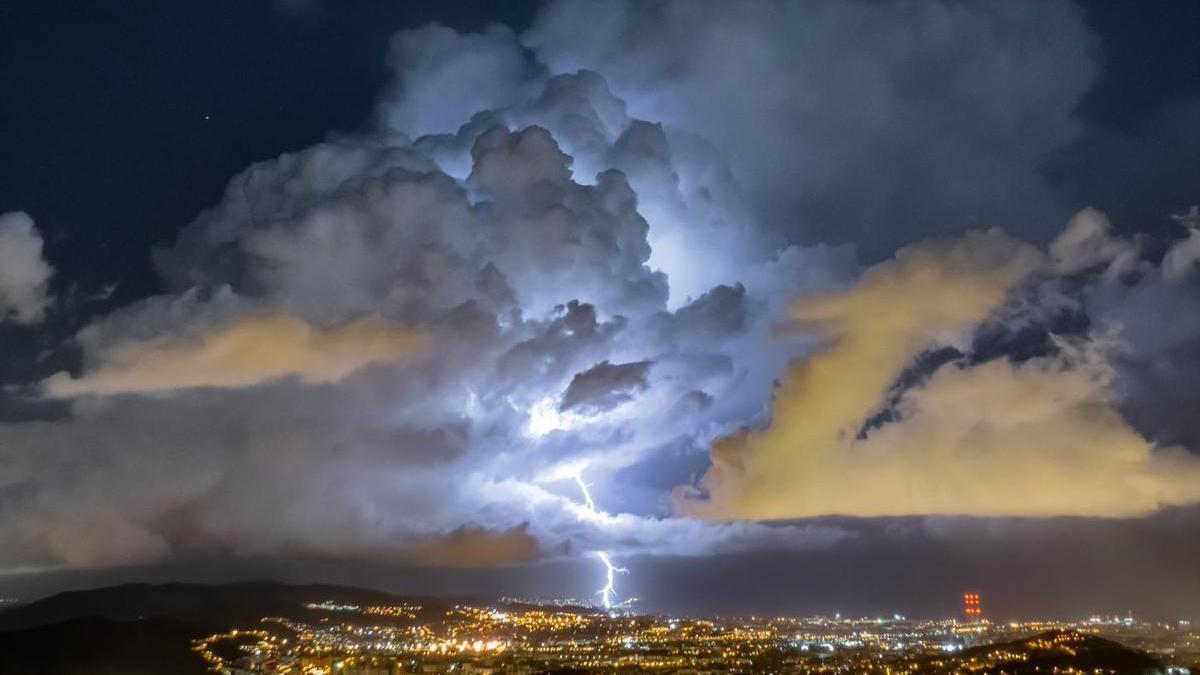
(1039, 438)
(469, 546)
(245, 353)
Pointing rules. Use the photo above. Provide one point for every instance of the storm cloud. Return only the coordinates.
(939, 126)
(605, 385)
(598, 256)
(370, 356)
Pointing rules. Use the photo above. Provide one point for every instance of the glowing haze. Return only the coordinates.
(589, 246)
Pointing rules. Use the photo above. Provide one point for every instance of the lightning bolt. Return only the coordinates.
(610, 570)
(606, 594)
(583, 487)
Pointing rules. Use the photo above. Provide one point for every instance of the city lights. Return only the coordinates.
(523, 636)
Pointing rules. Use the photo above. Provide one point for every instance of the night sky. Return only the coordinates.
(828, 306)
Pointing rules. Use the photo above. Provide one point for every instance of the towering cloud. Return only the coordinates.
(878, 123)
(367, 354)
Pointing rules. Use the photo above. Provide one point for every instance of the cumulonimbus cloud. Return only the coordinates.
(509, 280)
(844, 142)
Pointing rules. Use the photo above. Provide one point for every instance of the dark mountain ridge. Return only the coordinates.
(1052, 651)
(242, 603)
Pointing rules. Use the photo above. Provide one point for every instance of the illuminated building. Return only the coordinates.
(971, 608)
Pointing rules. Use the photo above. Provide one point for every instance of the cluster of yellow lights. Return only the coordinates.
(403, 611)
(380, 638)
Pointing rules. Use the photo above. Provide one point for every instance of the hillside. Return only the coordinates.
(220, 605)
(1051, 651)
(97, 646)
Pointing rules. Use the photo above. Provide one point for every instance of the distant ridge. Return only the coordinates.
(147, 629)
(212, 604)
(1061, 651)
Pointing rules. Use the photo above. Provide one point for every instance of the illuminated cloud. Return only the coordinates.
(474, 547)
(1088, 242)
(1181, 260)
(1038, 438)
(24, 274)
(843, 142)
(247, 352)
(543, 342)
(440, 70)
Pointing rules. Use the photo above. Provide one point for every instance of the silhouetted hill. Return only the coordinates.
(219, 605)
(97, 646)
(144, 629)
(1052, 651)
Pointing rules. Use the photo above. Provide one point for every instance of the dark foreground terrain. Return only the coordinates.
(98, 646)
(1057, 651)
(147, 629)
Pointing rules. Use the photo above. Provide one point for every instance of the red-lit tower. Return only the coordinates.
(971, 606)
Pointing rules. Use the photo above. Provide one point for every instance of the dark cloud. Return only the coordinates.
(723, 312)
(475, 547)
(941, 124)
(605, 385)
